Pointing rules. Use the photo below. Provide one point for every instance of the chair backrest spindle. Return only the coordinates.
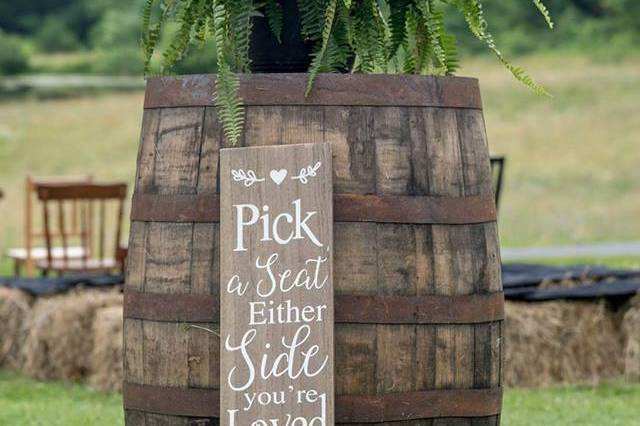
(84, 235)
(119, 218)
(47, 233)
(63, 232)
(103, 225)
(28, 217)
(33, 228)
(78, 200)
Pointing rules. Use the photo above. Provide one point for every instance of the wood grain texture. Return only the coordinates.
(386, 149)
(328, 89)
(298, 239)
(176, 156)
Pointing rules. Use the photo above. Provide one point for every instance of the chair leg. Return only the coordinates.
(17, 267)
(29, 265)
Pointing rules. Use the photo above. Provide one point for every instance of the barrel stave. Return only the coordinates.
(175, 258)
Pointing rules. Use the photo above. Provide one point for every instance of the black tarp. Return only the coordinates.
(526, 274)
(44, 286)
(522, 282)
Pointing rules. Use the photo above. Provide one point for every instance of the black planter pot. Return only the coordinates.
(293, 55)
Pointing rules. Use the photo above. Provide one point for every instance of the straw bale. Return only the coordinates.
(631, 334)
(15, 307)
(106, 359)
(59, 342)
(560, 342)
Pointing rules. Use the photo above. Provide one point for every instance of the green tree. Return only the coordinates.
(55, 36)
(13, 57)
(116, 28)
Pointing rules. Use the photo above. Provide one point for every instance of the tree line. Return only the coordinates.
(111, 30)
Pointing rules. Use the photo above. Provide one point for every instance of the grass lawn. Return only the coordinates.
(572, 172)
(25, 402)
(622, 262)
(572, 160)
(614, 404)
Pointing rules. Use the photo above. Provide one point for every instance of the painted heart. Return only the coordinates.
(278, 176)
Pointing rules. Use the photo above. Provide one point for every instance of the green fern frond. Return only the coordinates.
(447, 50)
(219, 23)
(368, 41)
(150, 34)
(229, 105)
(409, 63)
(146, 19)
(239, 18)
(521, 75)
(168, 7)
(318, 56)
(412, 44)
(419, 42)
(451, 51)
(433, 23)
(273, 12)
(186, 14)
(312, 17)
(473, 15)
(544, 11)
(200, 26)
(339, 49)
(406, 36)
(472, 11)
(397, 23)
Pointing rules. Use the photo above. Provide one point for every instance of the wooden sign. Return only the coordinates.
(276, 298)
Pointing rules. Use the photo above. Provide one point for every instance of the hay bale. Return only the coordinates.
(631, 333)
(15, 306)
(106, 358)
(560, 342)
(60, 334)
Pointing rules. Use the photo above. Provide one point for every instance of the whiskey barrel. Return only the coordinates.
(418, 293)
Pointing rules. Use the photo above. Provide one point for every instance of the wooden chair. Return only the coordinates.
(33, 250)
(93, 200)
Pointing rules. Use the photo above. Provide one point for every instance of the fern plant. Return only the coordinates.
(363, 36)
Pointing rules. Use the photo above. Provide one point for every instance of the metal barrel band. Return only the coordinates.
(416, 405)
(346, 208)
(171, 400)
(171, 307)
(349, 309)
(432, 309)
(328, 90)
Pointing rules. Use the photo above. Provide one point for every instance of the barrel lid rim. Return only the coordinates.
(330, 89)
(319, 76)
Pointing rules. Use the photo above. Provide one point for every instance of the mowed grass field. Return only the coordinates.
(28, 403)
(572, 176)
(573, 172)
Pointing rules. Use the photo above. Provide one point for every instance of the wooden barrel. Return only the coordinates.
(418, 304)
